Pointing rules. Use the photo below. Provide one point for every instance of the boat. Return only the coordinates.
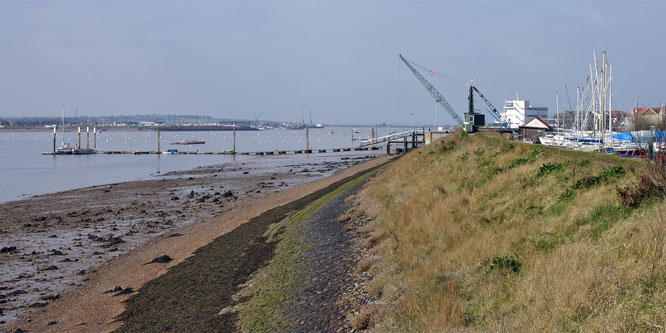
(83, 151)
(65, 149)
(170, 151)
(194, 142)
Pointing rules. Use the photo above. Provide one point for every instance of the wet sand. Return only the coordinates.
(62, 251)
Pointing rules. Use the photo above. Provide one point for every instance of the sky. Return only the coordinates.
(336, 59)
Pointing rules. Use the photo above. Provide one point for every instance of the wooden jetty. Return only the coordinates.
(260, 153)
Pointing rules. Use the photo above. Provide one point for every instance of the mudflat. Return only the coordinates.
(168, 220)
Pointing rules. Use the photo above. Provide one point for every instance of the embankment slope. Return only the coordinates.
(480, 233)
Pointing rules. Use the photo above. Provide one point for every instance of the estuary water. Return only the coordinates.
(25, 172)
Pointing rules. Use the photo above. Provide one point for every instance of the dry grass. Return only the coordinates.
(480, 233)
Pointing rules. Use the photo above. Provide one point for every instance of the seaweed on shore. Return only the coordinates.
(190, 296)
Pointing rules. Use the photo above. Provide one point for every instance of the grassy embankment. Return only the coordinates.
(480, 233)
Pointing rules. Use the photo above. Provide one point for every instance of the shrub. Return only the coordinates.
(589, 181)
(549, 168)
(535, 152)
(448, 145)
(507, 263)
(633, 195)
(518, 161)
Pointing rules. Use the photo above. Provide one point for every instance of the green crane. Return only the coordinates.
(435, 94)
(493, 111)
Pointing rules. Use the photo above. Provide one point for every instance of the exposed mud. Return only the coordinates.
(50, 243)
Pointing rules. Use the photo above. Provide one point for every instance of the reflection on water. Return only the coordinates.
(25, 171)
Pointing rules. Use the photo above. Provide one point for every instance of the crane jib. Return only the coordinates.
(433, 92)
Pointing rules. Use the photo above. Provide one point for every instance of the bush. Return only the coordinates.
(651, 183)
(589, 181)
(518, 161)
(535, 152)
(509, 263)
(548, 168)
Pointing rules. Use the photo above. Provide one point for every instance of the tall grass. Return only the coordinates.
(481, 233)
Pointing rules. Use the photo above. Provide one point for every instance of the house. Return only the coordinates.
(533, 129)
(648, 111)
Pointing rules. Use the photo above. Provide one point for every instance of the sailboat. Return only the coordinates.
(66, 148)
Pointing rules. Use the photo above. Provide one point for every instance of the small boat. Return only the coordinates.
(65, 149)
(83, 151)
(170, 151)
(195, 142)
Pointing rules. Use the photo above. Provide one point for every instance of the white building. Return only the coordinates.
(518, 112)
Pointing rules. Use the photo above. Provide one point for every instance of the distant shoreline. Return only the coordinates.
(130, 128)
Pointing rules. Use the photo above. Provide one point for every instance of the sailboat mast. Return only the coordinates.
(610, 100)
(603, 95)
(557, 109)
(62, 130)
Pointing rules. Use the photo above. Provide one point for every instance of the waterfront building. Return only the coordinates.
(518, 112)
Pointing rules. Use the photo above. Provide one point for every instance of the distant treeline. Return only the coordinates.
(127, 120)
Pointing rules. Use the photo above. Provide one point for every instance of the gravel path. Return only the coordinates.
(331, 287)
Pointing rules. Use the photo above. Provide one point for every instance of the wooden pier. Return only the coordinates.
(260, 153)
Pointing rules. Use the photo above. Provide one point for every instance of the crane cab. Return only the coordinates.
(474, 120)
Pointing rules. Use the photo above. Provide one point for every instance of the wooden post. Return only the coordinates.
(307, 140)
(234, 150)
(352, 133)
(78, 146)
(388, 145)
(373, 137)
(87, 137)
(94, 137)
(54, 140)
(405, 138)
(159, 141)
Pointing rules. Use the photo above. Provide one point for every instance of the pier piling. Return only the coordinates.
(94, 137)
(159, 141)
(234, 150)
(78, 146)
(87, 137)
(54, 140)
(373, 137)
(307, 139)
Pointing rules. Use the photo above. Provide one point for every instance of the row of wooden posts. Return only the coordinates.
(78, 145)
(307, 139)
(159, 143)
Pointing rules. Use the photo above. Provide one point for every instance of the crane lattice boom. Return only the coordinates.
(435, 94)
(494, 113)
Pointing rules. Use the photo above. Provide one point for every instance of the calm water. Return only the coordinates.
(24, 171)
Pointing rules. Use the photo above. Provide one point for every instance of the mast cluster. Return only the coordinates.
(594, 101)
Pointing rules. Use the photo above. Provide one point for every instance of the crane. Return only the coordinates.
(433, 92)
(256, 118)
(494, 112)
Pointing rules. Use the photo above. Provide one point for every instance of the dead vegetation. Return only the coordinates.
(494, 235)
